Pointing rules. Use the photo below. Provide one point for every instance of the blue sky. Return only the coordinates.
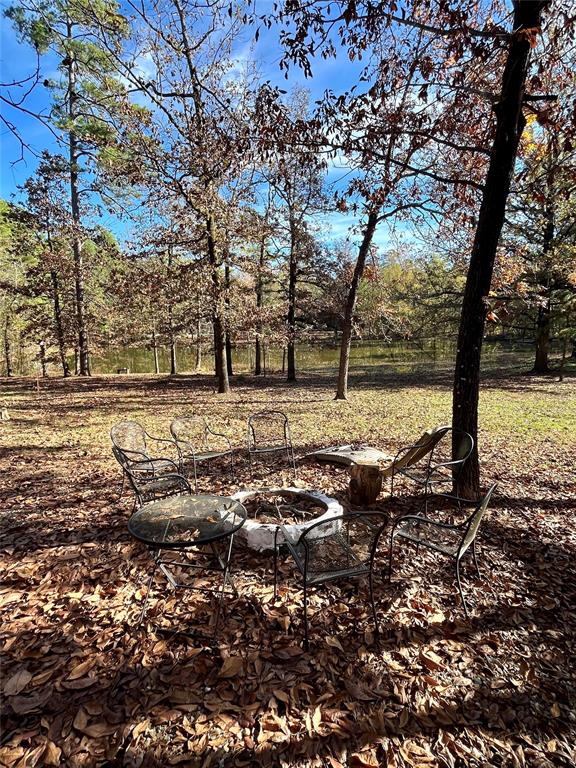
(18, 60)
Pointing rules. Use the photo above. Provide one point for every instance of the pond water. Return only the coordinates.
(308, 356)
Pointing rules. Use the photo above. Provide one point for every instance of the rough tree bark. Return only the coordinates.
(342, 386)
(509, 126)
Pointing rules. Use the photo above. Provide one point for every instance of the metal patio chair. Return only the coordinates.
(451, 540)
(197, 443)
(150, 476)
(269, 432)
(342, 548)
(435, 463)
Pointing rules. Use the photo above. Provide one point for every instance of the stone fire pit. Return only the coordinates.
(294, 508)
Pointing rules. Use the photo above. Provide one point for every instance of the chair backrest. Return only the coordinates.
(189, 432)
(455, 445)
(130, 438)
(268, 428)
(423, 447)
(344, 545)
(474, 521)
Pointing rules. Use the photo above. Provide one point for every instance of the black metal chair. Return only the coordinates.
(150, 477)
(445, 453)
(341, 548)
(197, 443)
(451, 540)
(269, 432)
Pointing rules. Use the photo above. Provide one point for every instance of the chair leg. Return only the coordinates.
(390, 558)
(292, 460)
(371, 589)
(122, 487)
(306, 643)
(224, 581)
(460, 588)
(275, 564)
(195, 477)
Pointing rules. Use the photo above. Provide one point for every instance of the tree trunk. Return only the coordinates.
(198, 361)
(227, 339)
(291, 314)
(258, 357)
(220, 366)
(563, 361)
(173, 366)
(509, 125)
(342, 386)
(155, 350)
(7, 349)
(58, 323)
(542, 340)
(541, 364)
(42, 356)
(171, 335)
(83, 354)
(259, 302)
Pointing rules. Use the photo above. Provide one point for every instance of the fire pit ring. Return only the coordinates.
(260, 536)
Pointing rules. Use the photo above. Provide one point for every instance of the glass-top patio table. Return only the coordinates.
(179, 523)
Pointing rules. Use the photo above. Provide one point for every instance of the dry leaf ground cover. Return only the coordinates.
(83, 686)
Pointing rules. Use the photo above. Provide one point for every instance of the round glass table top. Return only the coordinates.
(186, 521)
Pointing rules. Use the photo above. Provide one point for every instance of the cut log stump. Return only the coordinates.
(365, 483)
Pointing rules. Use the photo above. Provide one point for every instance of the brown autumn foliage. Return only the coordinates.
(83, 686)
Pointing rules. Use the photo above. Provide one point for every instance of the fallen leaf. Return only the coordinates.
(17, 682)
(231, 667)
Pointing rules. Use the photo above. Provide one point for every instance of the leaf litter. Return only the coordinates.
(83, 685)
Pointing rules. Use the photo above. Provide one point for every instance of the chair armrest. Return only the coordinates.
(220, 434)
(177, 478)
(428, 521)
(181, 479)
(129, 453)
(184, 448)
(151, 462)
(452, 463)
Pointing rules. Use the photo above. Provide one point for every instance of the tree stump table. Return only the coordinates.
(365, 482)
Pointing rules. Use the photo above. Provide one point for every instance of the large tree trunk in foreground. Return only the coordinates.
(342, 386)
(509, 126)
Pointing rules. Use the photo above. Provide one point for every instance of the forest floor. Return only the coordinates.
(83, 686)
